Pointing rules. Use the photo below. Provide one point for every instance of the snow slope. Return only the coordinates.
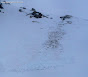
(26, 48)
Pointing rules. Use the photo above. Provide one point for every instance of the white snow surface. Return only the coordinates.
(25, 43)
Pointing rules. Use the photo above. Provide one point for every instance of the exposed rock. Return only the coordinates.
(36, 14)
(33, 13)
(1, 6)
(23, 7)
(65, 17)
(20, 10)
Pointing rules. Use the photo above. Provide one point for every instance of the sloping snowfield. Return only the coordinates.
(44, 47)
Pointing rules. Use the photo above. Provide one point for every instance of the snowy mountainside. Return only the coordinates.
(17, 31)
(31, 45)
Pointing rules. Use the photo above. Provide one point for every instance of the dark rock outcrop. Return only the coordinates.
(1, 6)
(65, 17)
(36, 14)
